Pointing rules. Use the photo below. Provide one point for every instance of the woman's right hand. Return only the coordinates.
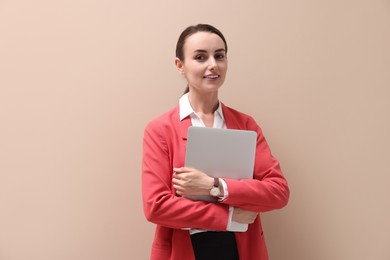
(244, 216)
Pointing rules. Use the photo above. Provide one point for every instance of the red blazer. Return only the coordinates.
(164, 148)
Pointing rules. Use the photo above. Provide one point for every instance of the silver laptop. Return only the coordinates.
(222, 153)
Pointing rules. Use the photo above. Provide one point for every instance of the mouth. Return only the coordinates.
(211, 76)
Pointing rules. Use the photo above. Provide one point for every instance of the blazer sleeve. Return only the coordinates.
(160, 203)
(268, 190)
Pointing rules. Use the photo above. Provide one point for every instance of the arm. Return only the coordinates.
(189, 181)
(268, 190)
(161, 205)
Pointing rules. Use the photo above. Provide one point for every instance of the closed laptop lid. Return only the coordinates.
(223, 153)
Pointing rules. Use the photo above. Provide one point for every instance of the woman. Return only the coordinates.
(189, 229)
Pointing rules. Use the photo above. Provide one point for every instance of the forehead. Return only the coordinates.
(203, 41)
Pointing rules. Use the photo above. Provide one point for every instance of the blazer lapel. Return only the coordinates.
(184, 125)
(230, 120)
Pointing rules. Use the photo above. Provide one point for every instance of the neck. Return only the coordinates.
(203, 103)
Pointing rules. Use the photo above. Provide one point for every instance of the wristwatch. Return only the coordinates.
(215, 192)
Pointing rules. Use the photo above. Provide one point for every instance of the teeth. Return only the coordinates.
(212, 77)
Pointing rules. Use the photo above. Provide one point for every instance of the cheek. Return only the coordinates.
(225, 65)
(223, 68)
(192, 76)
(195, 72)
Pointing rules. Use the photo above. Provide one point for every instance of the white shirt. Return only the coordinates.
(186, 109)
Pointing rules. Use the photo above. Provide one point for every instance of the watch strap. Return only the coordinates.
(216, 182)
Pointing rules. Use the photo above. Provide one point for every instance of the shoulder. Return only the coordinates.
(234, 112)
(240, 118)
(163, 121)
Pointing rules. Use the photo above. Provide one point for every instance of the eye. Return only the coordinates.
(220, 56)
(200, 57)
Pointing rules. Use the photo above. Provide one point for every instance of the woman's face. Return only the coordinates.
(205, 62)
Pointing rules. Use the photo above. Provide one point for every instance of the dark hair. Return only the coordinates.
(192, 30)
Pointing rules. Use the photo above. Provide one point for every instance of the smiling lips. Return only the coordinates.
(211, 76)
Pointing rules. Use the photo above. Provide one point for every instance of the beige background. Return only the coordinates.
(80, 79)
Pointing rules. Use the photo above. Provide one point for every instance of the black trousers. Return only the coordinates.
(215, 246)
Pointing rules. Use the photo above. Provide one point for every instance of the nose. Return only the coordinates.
(212, 64)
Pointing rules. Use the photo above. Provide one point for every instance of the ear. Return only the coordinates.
(179, 65)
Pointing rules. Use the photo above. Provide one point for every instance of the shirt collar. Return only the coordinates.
(186, 108)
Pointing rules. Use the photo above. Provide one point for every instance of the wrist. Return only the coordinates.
(221, 189)
(210, 183)
(215, 191)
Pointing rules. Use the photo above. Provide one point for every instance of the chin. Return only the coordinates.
(211, 89)
(207, 88)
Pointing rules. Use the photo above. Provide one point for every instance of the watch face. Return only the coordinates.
(214, 192)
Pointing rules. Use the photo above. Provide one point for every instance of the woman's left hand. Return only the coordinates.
(189, 181)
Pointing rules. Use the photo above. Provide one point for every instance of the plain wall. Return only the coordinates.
(80, 79)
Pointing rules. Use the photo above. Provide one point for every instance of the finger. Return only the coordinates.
(183, 169)
(179, 181)
(176, 181)
(179, 169)
(178, 192)
(177, 187)
(179, 176)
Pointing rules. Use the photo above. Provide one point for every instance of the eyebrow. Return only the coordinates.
(204, 51)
